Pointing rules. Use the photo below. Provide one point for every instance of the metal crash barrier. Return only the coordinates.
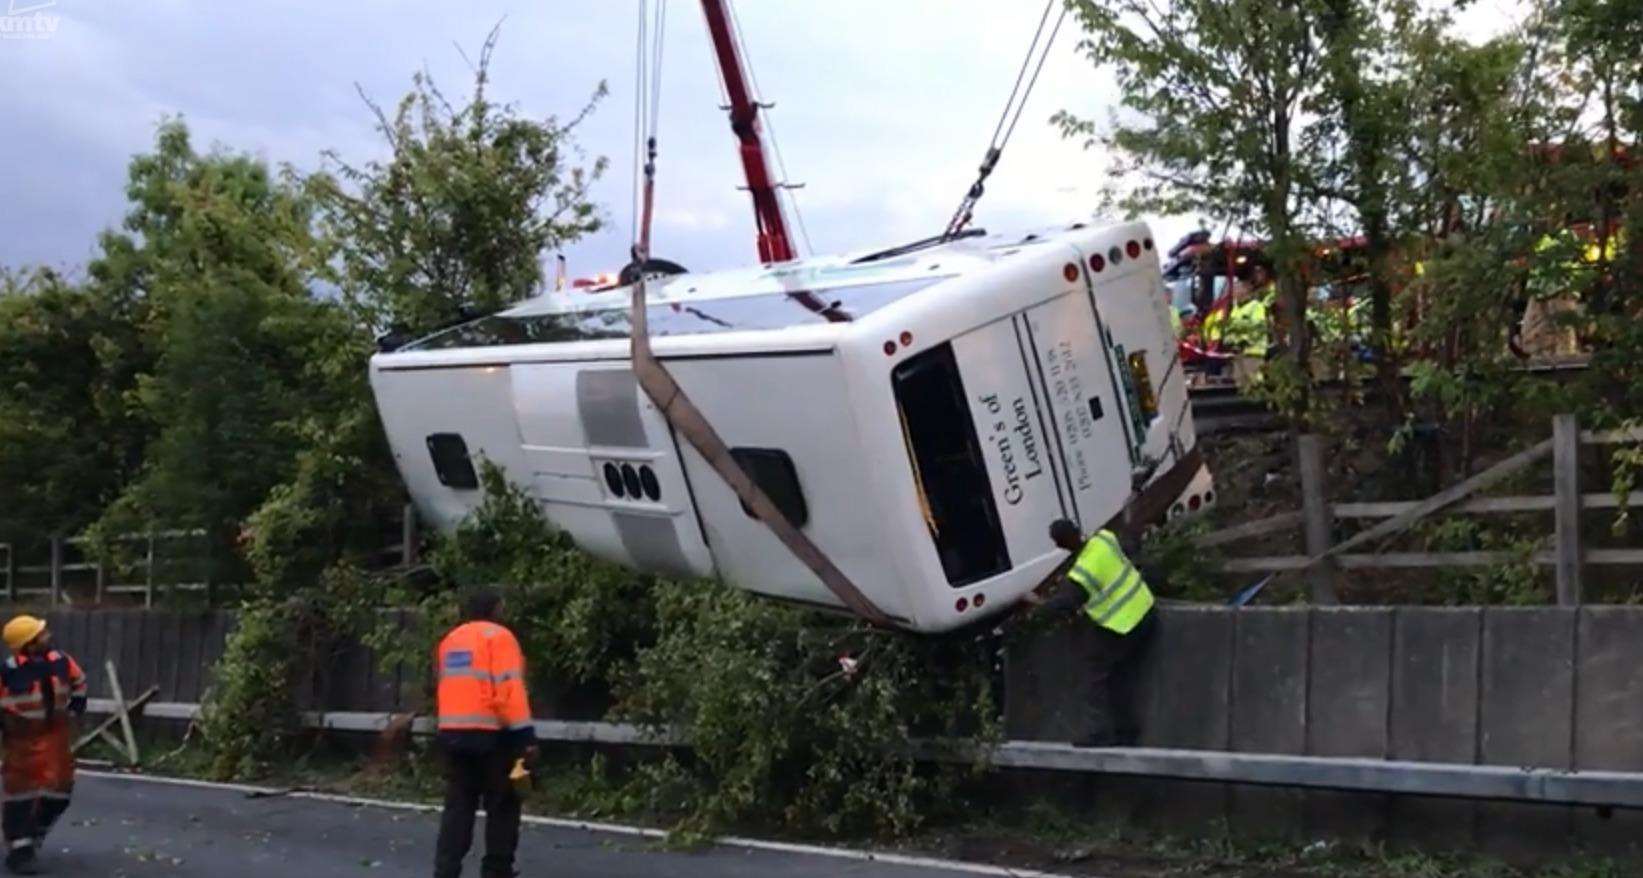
(1612, 789)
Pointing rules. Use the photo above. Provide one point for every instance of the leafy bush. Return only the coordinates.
(1518, 581)
(460, 215)
(250, 717)
(779, 731)
(580, 620)
(1177, 567)
(783, 733)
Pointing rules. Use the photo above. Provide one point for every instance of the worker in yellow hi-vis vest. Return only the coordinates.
(1105, 586)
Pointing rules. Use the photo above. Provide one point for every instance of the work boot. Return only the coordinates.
(22, 861)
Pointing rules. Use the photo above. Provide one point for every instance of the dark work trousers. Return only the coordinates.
(472, 778)
(31, 819)
(1119, 678)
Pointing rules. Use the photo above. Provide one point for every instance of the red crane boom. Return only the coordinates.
(774, 243)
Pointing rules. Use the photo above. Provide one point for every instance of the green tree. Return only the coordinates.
(62, 453)
(458, 219)
(1525, 141)
(1421, 136)
(216, 264)
(1471, 157)
(1214, 120)
(1366, 99)
(455, 221)
(1597, 187)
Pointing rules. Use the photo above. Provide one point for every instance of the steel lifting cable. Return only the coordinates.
(1005, 129)
(676, 406)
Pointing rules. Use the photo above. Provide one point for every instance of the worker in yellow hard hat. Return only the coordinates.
(40, 687)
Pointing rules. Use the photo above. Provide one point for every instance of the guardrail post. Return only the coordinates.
(56, 571)
(407, 536)
(1316, 518)
(1566, 481)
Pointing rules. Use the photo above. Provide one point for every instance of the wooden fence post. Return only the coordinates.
(148, 574)
(56, 570)
(1566, 481)
(1316, 518)
(407, 536)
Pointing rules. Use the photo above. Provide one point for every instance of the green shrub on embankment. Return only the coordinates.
(779, 733)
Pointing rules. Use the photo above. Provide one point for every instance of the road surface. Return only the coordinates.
(122, 827)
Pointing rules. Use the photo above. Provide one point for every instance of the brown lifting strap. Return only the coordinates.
(689, 421)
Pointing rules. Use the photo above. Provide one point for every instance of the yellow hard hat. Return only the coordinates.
(21, 631)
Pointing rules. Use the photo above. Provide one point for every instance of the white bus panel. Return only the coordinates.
(923, 418)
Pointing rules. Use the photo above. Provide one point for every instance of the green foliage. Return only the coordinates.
(250, 719)
(1216, 98)
(218, 255)
(1628, 463)
(579, 619)
(459, 218)
(1544, 212)
(1519, 581)
(340, 486)
(1177, 567)
(63, 450)
(782, 733)
(1283, 387)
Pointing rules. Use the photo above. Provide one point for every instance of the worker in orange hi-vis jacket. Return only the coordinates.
(40, 687)
(486, 732)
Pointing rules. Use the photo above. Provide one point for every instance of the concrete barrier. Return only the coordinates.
(1536, 687)
(1526, 711)
(1187, 693)
(1350, 694)
(1543, 688)
(1049, 678)
(1608, 721)
(1434, 698)
(1269, 680)
(1540, 687)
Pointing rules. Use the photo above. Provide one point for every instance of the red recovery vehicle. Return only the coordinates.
(1203, 277)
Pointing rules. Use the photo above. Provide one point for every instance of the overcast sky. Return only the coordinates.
(884, 108)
